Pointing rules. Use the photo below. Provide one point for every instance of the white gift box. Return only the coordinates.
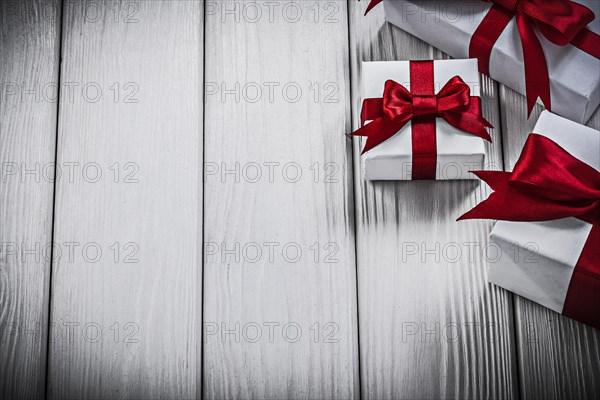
(538, 258)
(457, 152)
(449, 26)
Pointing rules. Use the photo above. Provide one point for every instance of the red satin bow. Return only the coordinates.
(547, 183)
(398, 106)
(560, 21)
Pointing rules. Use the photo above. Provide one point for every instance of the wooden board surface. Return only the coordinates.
(316, 284)
(278, 324)
(558, 357)
(430, 324)
(125, 305)
(29, 40)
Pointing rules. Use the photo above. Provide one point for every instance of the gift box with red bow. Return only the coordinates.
(546, 49)
(548, 212)
(422, 120)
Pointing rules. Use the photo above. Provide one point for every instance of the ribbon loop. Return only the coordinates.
(546, 170)
(560, 21)
(397, 101)
(547, 183)
(454, 96)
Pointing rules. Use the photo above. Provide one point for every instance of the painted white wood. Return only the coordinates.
(258, 142)
(430, 324)
(125, 307)
(29, 38)
(559, 358)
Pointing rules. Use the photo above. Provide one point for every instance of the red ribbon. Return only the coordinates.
(560, 21)
(548, 183)
(421, 106)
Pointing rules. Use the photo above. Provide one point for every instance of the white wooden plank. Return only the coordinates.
(126, 320)
(257, 301)
(29, 38)
(430, 324)
(558, 357)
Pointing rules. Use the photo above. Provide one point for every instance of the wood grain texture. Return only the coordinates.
(125, 300)
(281, 324)
(559, 358)
(430, 324)
(29, 38)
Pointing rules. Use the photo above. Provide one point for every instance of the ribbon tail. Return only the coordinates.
(537, 79)
(378, 131)
(495, 179)
(371, 5)
(487, 209)
(486, 35)
(469, 122)
(588, 41)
